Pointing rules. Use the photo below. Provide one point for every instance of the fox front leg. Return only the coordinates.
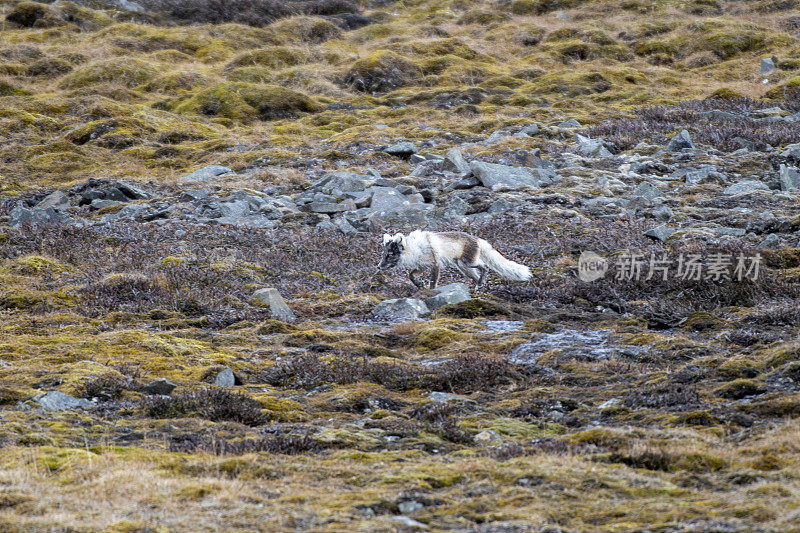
(413, 277)
(435, 273)
(482, 270)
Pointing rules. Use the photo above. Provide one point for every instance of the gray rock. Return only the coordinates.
(745, 187)
(23, 216)
(161, 386)
(448, 294)
(401, 149)
(662, 213)
(408, 522)
(400, 309)
(56, 200)
(344, 226)
(134, 193)
(207, 173)
(194, 196)
(497, 177)
(648, 191)
(679, 142)
(529, 131)
(660, 233)
(114, 193)
(770, 241)
(467, 182)
(58, 401)
(409, 506)
(386, 198)
(731, 232)
(337, 183)
(767, 66)
(101, 203)
(277, 305)
(501, 205)
(454, 162)
(130, 6)
(416, 158)
(234, 209)
(446, 397)
(497, 136)
(790, 178)
(704, 174)
(411, 214)
(570, 124)
(129, 211)
(456, 208)
(591, 147)
(225, 378)
(330, 207)
(485, 438)
(792, 152)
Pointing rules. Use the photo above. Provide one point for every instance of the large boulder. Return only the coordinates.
(448, 294)
(400, 310)
(207, 173)
(454, 162)
(277, 306)
(591, 147)
(745, 187)
(790, 178)
(24, 216)
(161, 386)
(497, 177)
(679, 142)
(58, 401)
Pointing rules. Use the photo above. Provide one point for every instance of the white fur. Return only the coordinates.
(426, 249)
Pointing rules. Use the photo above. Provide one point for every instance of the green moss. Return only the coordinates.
(33, 265)
(129, 72)
(237, 100)
(702, 320)
(305, 30)
(435, 338)
(9, 89)
(381, 71)
(273, 57)
(739, 388)
(725, 93)
(472, 308)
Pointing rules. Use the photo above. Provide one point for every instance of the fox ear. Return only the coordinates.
(398, 238)
(386, 238)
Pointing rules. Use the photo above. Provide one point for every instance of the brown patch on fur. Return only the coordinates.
(470, 251)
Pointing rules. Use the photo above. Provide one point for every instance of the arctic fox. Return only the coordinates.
(470, 255)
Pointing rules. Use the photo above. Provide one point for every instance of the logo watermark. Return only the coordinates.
(636, 267)
(591, 266)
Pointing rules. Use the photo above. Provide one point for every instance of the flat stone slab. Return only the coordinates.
(207, 173)
(401, 309)
(58, 401)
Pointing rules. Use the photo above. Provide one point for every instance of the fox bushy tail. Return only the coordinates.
(505, 267)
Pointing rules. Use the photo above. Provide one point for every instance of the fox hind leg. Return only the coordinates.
(467, 270)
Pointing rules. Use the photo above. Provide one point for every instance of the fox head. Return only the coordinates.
(393, 246)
